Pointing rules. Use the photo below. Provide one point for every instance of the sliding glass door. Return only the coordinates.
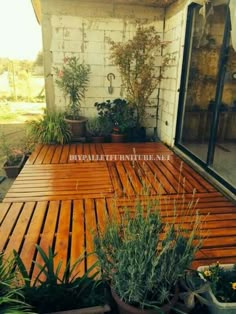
(206, 127)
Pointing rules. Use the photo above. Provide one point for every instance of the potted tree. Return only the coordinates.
(141, 77)
(98, 128)
(121, 115)
(73, 79)
(50, 129)
(143, 257)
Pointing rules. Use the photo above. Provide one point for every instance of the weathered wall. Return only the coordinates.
(82, 29)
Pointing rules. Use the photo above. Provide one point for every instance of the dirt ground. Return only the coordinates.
(13, 117)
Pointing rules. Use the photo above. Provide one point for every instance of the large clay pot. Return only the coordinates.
(78, 128)
(13, 171)
(117, 138)
(124, 308)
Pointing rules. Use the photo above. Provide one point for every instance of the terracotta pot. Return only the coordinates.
(124, 308)
(98, 139)
(78, 128)
(13, 171)
(117, 138)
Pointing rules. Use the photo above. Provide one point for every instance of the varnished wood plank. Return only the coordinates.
(34, 154)
(78, 236)
(28, 251)
(9, 223)
(57, 155)
(4, 207)
(42, 154)
(134, 179)
(90, 222)
(115, 180)
(49, 154)
(62, 237)
(101, 213)
(126, 186)
(64, 154)
(72, 153)
(18, 233)
(47, 234)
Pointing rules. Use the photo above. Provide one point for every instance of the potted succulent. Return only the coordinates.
(54, 290)
(121, 114)
(221, 295)
(11, 296)
(141, 77)
(73, 79)
(143, 257)
(50, 129)
(98, 128)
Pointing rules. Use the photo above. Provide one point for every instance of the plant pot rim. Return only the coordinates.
(81, 119)
(87, 310)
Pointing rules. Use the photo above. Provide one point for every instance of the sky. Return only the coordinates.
(20, 33)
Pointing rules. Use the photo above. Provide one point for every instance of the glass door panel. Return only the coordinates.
(205, 42)
(224, 161)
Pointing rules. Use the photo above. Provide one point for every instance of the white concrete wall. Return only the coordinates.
(73, 28)
(174, 32)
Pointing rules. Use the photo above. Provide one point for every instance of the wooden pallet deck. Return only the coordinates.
(58, 201)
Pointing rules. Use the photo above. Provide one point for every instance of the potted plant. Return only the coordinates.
(143, 257)
(121, 114)
(73, 79)
(54, 290)
(221, 295)
(141, 77)
(50, 129)
(15, 158)
(11, 296)
(98, 128)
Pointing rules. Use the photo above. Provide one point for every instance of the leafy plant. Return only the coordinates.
(222, 282)
(51, 128)
(11, 296)
(136, 61)
(99, 126)
(119, 112)
(73, 79)
(50, 291)
(143, 257)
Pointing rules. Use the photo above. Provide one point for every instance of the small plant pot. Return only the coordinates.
(78, 128)
(124, 308)
(13, 171)
(118, 138)
(216, 307)
(98, 139)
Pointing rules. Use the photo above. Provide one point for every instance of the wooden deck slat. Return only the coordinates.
(59, 202)
(19, 231)
(78, 236)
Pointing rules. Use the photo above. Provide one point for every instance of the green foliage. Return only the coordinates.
(136, 60)
(51, 128)
(119, 112)
(99, 126)
(222, 282)
(144, 257)
(61, 288)
(73, 80)
(11, 297)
